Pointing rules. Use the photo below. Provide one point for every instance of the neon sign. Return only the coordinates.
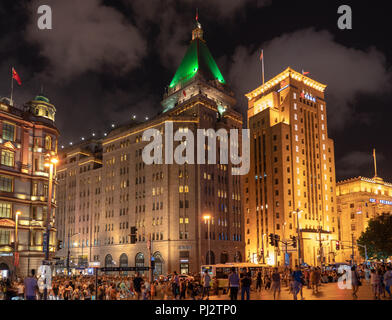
(387, 202)
(307, 96)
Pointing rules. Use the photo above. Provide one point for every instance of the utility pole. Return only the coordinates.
(321, 247)
(352, 249)
(299, 238)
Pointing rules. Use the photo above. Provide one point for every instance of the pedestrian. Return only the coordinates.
(234, 283)
(388, 281)
(276, 285)
(31, 287)
(297, 282)
(355, 281)
(137, 285)
(258, 281)
(206, 285)
(245, 286)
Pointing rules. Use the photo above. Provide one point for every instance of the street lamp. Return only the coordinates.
(68, 253)
(262, 245)
(16, 253)
(207, 219)
(50, 162)
(299, 237)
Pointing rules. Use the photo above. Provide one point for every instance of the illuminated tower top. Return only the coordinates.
(197, 60)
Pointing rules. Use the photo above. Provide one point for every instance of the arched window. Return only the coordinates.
(158, 270)
(109, 261)
(237, 257)
(210, 257)
(139, 260)
(48, 143)
(224, 257)
(123, 260)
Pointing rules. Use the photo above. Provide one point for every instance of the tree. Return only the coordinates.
(377, 238)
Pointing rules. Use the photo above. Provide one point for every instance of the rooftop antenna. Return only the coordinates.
(375, 163)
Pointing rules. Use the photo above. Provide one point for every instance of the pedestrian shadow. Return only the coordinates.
(318, 294)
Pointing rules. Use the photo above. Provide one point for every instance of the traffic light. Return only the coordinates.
(277, 238)
(337, 245)
(271, 237)
(133, 235)
(294, 241)
(59, 244)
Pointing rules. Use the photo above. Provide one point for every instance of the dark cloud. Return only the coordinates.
(86, 36)
(346, 71)
(357, 163)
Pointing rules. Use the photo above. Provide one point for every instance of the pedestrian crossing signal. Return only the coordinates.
(337, 245)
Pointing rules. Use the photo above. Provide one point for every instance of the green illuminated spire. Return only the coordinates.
(197, 59)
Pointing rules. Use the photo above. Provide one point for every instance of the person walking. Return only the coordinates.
(245, 286)
(297, 282)
(258, 281)
(31, 287)
(137, 285)
(234, 283)
(388, 281)
(355, 281)
(276, 282)
(206, 285)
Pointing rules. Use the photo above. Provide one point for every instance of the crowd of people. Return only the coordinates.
(196, 286)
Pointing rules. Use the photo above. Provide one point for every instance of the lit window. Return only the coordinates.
(7, 158)
(8, 131)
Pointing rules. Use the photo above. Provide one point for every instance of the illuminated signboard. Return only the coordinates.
(307, 96)
(389, 203)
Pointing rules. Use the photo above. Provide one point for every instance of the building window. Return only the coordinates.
(48, 143)
(7, 158)
(4, 237)
(6, 184)
(5, 210)
(8, 131)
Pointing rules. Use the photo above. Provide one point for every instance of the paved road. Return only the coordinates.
(327, 291)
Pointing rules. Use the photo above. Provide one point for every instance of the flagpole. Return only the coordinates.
(262, 64)
(12, 86)
(375, 163)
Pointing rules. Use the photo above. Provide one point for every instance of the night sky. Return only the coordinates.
(105, 61)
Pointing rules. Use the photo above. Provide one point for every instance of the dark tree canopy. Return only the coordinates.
(377, 238)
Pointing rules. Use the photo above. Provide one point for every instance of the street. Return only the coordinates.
(327, 291)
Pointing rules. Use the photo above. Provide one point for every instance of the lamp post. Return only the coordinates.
(262, 245)
(16, 259)
(299, 236)
(207, 219)
(68, 253)
(50, 162)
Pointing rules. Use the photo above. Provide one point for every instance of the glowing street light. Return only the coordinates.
(51, 160)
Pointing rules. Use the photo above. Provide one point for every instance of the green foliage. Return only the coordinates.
(377, 238)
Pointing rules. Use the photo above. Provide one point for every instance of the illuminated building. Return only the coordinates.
(26, 135)
(359, 200)
(292, 168)
(103, 193)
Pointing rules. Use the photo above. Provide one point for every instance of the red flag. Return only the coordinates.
(261, 55)
(197, 15)
(16, 76)
(305, 72)
(184, 93)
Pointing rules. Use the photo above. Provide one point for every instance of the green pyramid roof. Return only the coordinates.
(197, 59)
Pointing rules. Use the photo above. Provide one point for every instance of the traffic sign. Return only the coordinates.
(94, 264)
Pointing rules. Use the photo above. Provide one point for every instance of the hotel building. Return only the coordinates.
(292, 170)
(27, 134)
(359, 200)
(105, 188)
